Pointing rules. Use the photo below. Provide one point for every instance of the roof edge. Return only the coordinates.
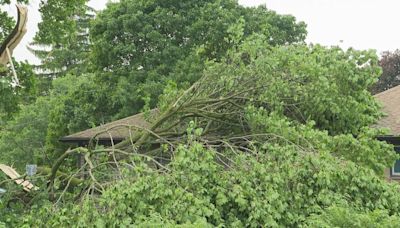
(392, 139)
(386, 91)
(86, 139)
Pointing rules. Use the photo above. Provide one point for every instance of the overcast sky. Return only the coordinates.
(362, 24)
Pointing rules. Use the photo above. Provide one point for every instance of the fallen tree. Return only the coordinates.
(316, 98)
(268, 136)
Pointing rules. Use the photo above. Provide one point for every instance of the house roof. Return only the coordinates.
(118, 130)
(390, 100)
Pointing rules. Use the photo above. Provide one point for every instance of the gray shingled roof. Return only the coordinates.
(117, 132)
(390, 99)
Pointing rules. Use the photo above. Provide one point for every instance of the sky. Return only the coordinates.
(361, 24)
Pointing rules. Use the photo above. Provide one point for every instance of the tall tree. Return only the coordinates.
(390, 63)
(62, 42)
(137, 45)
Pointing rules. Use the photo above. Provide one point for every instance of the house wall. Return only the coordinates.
(390, 178)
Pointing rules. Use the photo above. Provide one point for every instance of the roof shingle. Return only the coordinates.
(118, 129)
(390, 100)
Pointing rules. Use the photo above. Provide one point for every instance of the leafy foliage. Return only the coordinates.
(6, 25)
(337, 216)
(252, 127)
(12, 96)
(138, 44)
(265, 189)
(259, 162)
(79, 105)
(33, 134)
(390, 63)
(25, 135)
(62, 42)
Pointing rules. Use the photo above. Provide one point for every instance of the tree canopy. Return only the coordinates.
(137, 45)
(390, 63)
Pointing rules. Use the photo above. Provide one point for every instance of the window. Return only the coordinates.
(395, 172)
(396, 168)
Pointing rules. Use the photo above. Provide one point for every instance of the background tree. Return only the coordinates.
(12, 96)
(138, 44)
(23, 138)
(188, 37)
(390, 63)
(6, 25)
(62, 45)
(62, 42)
